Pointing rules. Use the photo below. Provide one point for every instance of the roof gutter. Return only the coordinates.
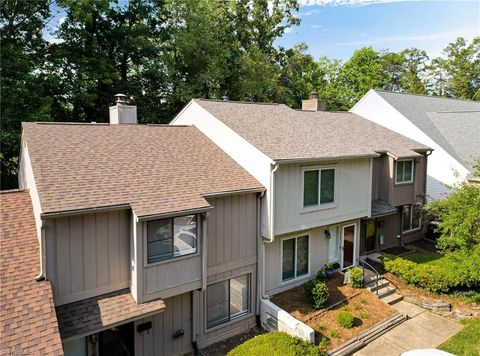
(100, 209)
(316, 159)
(174, 213)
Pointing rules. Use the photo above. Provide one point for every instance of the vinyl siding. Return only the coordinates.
(88, 255)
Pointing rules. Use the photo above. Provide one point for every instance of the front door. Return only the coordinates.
(348, 246)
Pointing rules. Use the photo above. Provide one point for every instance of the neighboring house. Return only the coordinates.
(318, 169)
(450, 126)
(28, 325)
(148, 234)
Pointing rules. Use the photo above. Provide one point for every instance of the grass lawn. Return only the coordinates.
(429, 258)
(276, 344)
(467, 341)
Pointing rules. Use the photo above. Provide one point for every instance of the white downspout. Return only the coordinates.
(271, 225)
(204, 252)
(41, 275)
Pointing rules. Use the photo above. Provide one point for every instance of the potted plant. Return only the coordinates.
(329, 270)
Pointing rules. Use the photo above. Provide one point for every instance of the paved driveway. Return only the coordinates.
(424, 330)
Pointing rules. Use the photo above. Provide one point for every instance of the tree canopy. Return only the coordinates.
(162, 53)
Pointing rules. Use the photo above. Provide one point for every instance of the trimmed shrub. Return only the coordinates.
(316, 293)
(276, 344)
(345, 318)
(356, 277)
(321, 275)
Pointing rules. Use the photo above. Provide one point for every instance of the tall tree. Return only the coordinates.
(414, 68)
(461, 63)
(24, 96)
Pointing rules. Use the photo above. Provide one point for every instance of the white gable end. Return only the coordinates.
(441, 165)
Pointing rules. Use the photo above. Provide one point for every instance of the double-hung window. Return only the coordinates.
(411, 215)
(318, 186)
(295, 257)
(404, 172)
(228, 300)
(170, 238)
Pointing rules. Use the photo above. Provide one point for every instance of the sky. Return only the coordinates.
(335, 28)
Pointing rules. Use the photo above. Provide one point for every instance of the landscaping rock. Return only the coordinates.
(463, 313)
(439, 306)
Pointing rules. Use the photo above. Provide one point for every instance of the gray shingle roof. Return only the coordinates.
(154, 169)
(453, 124)
(286, 134)
(381, 207)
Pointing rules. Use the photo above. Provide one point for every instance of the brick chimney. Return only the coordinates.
(313, 103)
(122, 113)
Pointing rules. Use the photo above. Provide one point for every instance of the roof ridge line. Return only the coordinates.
(424, 95)
(239, 102)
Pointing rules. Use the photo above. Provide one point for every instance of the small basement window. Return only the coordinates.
(228, 300)
(170, 238)
(404, 172)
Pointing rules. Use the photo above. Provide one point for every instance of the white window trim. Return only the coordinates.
(337, 246)
(411, 219)
(172, 259)
(413, 171)
(235, 318)
(303, 276)
(319, 206)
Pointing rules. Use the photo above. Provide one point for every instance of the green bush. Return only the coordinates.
(321, 275)
(316, 293)
(345, 318)
(276, 344)
(455, 271)
(356, 277)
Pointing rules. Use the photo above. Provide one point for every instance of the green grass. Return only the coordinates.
(421, 258)
(467, 341)
(276, 344)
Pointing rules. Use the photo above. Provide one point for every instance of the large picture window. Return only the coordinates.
(228, 300)
(294, 257)
(170, 238)
(318, 186)
(411, 215)
(404, 172)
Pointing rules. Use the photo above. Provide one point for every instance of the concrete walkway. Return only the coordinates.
(423, 330)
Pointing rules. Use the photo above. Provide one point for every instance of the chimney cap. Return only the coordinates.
(313, 95)
(121, 99)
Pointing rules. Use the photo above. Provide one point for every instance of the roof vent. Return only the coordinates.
(121, 99)
(313, 103)
(122, 113)
(225, 98)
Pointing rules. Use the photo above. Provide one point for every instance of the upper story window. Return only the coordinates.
(411, 215)
(318, 186)
(169, 238)
(404, 171)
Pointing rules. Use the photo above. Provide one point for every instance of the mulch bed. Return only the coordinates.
(223, 347)
(397, 250)
(424, 245)
(367, 309)
(293, 300)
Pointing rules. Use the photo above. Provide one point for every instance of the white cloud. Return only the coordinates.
(309, 13)
(346, 2)
(316, 27)
(467, 32)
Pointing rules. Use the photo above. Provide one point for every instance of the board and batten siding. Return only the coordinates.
(160, 339)
(318, 255)
(384, 186)
(170, 277)
(88, 255)
(232, 232)
(352, 188)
